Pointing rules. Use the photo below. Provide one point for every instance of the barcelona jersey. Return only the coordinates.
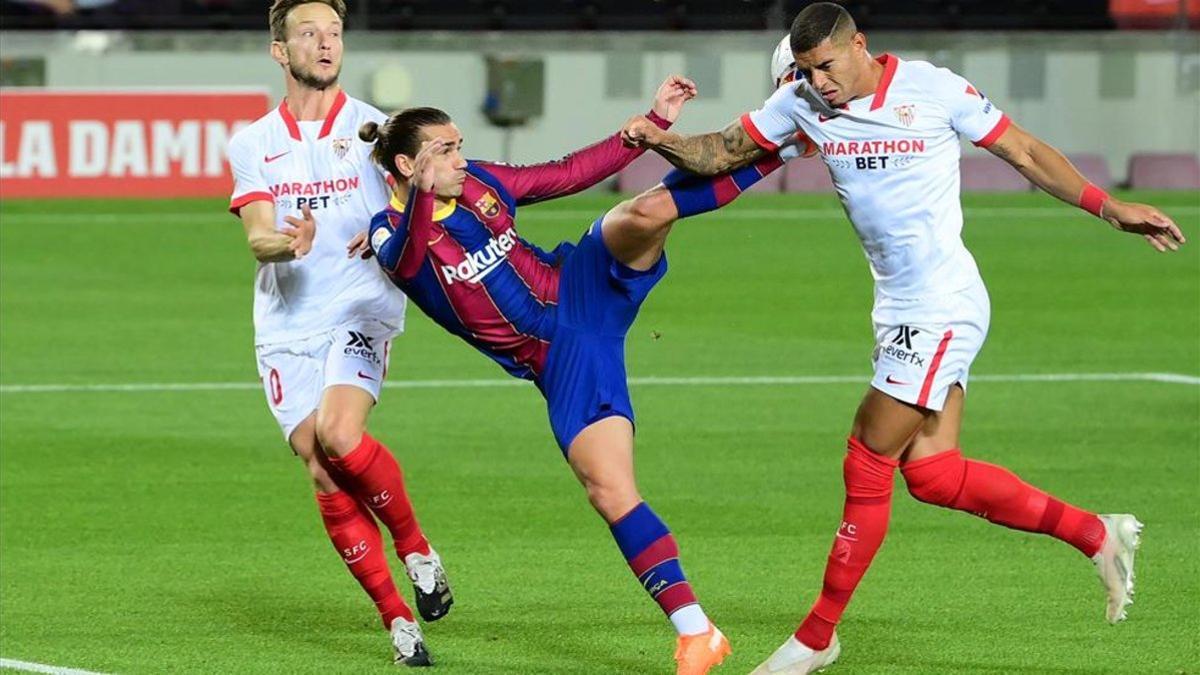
(480, 280)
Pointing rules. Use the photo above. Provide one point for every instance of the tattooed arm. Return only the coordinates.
(703, 154)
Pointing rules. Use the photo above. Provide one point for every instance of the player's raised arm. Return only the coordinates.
(702, 154)
(1048, 169)
(590, 165)
(402, 256)
(746, 140)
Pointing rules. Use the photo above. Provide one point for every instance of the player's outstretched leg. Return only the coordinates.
(946, 478)
(992, 492)
(943, 477)
(602, 458)
(370, 472)
(636, 229)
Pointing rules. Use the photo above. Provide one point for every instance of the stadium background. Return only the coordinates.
(151, 519)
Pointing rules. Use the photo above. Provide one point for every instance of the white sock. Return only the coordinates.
(690, 620)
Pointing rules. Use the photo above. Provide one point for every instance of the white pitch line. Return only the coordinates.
(718, 381)
(796, 213)
(30, 667)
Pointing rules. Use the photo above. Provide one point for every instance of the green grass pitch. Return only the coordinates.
(152, 531)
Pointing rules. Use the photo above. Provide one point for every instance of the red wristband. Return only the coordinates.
(658, 120)
(1092, 199)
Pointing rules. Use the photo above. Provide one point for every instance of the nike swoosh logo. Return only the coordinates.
(365, 376)
(272, 158)
(889, 380)
(822, 118)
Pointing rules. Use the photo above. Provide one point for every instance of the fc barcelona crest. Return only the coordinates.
(906, 114)
(488, 206)
(340, 147)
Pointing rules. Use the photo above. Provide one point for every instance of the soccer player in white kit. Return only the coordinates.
(324, 318)
(888, 131)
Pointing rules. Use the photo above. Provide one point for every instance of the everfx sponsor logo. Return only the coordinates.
(478, 264)
(901, 347)
(361, 346)
(904, 336)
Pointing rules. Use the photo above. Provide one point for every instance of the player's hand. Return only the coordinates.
(302, 231)
(640, 132)
(671, 95)
(1155, 227)
(358, 246)
(424, 171)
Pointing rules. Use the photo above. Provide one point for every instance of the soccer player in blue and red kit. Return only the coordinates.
(558, 318)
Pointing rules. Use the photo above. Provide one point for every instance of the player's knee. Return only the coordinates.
(320, 477)
(338, 435)
(934, 485)
(653, 211)
(611, 500)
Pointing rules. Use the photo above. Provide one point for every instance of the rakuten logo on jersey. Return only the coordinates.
(479, 264)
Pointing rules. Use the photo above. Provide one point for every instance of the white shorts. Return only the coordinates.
(924, 347)
(295, 374)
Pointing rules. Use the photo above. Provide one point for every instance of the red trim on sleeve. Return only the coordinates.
(338, 103)
(748, 125)
(926, 386)
(996, 132)
(889, 71)
(236, 204)
(292, 127)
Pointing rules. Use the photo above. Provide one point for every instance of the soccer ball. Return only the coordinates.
(783, 64)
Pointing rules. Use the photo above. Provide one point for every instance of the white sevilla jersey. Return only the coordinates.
(894, 159)
(324, 165)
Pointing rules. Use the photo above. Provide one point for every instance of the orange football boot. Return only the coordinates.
(697, 654)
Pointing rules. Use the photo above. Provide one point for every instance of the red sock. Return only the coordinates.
(994, 493)
(373, 476)
(864, 524)
(356, 538)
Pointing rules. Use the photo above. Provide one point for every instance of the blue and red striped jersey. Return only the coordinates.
(479, 279)
(471, 272)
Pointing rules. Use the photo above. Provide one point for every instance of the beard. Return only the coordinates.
(311, 80)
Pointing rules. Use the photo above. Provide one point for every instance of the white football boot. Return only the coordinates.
(1114, 562)
(796, 658)
(409, 644)
(430, 586)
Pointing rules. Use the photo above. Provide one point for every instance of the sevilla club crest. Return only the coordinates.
(487, 205)
(906, 114)
(341, 146)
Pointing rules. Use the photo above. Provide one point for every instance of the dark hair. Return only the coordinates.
(400, 134)
(277, 15)
(819, 21)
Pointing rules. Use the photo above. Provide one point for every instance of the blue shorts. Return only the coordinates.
(583, 379)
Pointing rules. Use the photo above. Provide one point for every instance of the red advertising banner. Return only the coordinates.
(124, 143)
